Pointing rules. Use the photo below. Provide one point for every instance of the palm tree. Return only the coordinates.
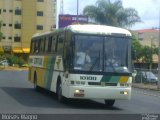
(114, 14)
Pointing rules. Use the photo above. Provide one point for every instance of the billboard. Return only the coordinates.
(65, 20)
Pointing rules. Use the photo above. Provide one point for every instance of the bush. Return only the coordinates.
(21, 62)
(13, 60)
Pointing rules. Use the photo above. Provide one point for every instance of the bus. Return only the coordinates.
(55, 63)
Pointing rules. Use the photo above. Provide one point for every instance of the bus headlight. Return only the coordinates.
(79, 93)
(124, 92)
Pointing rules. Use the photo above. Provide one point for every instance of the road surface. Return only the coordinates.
(18, 96)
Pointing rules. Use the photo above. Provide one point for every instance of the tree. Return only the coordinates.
(142, 53)
(148, 53)
(114, 14)
(137, 53)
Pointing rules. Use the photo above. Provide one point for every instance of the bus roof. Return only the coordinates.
(41, 34)
(98, 29)
(90, 29)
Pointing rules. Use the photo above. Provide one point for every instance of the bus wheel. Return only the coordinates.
(59, 92)
(109, 103)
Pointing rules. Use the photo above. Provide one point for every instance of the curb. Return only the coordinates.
(13, 69)
(151, 87)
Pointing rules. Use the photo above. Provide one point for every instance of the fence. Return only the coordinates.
(147, 76)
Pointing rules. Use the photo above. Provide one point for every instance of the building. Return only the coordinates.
(20, 19)
(148, 37)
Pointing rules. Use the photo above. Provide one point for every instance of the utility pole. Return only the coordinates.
(61, 7)
(150, 66)
(158, 86)
(77, 10)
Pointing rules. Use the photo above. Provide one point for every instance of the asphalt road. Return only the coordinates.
(17, 96)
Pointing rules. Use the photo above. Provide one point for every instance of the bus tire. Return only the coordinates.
(59, 92)
(109, 103)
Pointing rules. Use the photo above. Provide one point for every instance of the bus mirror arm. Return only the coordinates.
(134, 73)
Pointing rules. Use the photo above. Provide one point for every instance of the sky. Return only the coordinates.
(148, 10)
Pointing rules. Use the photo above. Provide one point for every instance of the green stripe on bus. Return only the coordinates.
(113, 79)
(49, 73)
(106, 78)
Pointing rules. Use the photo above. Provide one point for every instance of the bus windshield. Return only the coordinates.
(101, 53)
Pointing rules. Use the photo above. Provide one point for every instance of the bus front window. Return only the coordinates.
(101, 54)
(88, 53)
(116, 55)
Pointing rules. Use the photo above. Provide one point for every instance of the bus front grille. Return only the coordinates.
(102, 84)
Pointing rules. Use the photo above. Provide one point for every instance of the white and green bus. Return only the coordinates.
(105, 73)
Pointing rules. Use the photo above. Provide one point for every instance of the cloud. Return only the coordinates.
(70, 6)
(155, 1)
(148, 10)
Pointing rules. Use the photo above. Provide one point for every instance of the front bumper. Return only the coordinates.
(94, 92)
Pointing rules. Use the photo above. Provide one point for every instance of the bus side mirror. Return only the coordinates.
(134, 73)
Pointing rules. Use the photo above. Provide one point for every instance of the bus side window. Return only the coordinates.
(49, 44)
(42, 45)
(32, 47)
(46, 44)
(36, 48)
(60, 43)
(56, 44)
(53, 46)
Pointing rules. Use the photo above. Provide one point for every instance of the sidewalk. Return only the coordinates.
(146, 86)
(13, 68)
